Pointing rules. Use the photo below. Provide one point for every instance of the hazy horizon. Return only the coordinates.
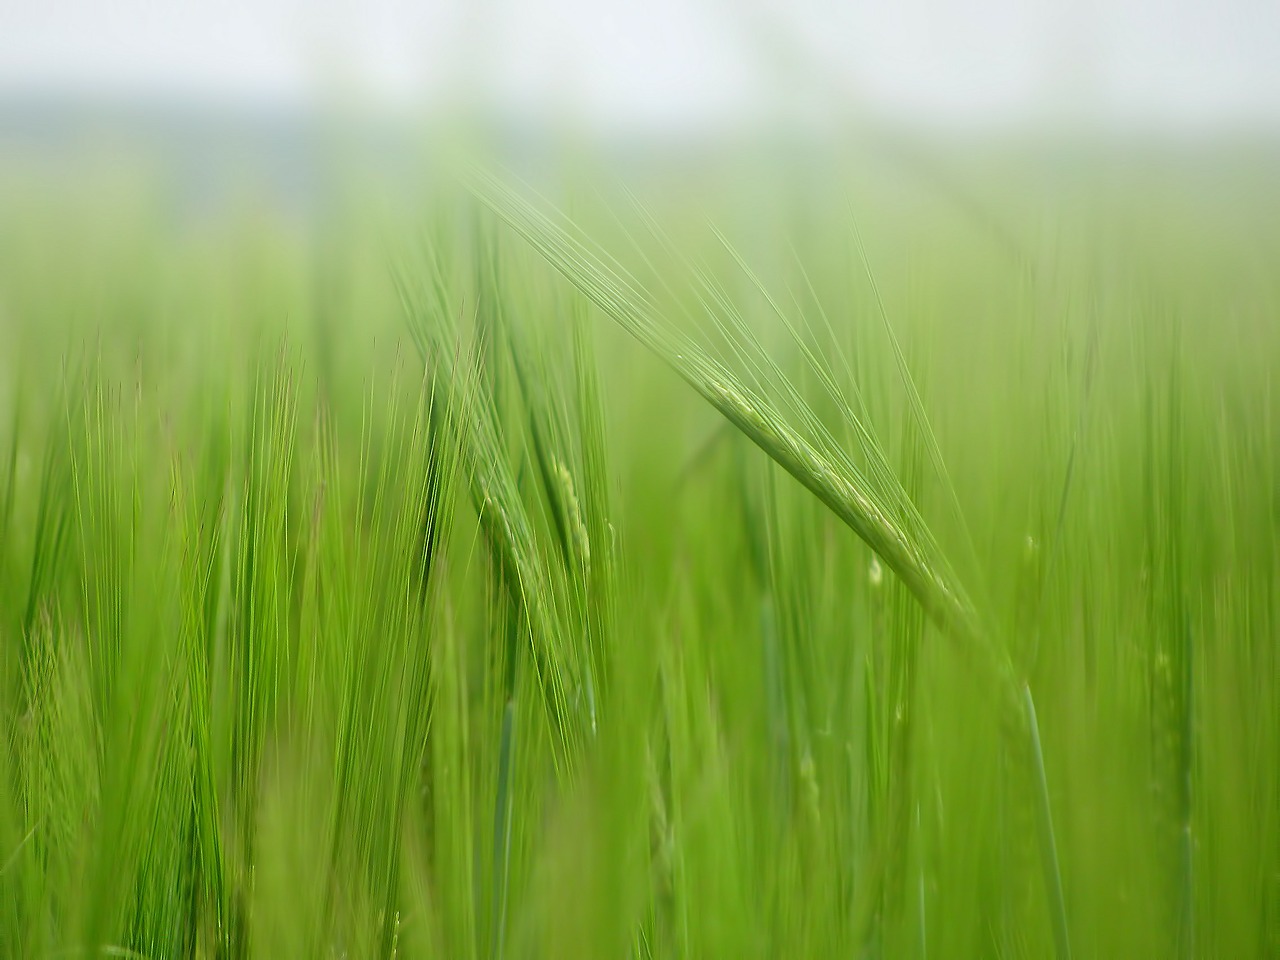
(667, 66)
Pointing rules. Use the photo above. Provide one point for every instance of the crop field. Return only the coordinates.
(781, 555)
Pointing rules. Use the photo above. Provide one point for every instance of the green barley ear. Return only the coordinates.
(578, 539)
(529, 579)
(816, 464)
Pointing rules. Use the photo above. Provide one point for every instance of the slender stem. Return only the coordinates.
(1186, 841)
(1048, 846)
(502, 829)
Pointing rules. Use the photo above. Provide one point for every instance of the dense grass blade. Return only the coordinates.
(1048, 844)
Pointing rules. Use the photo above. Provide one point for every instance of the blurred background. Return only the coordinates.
(259, 74)
(666, 65)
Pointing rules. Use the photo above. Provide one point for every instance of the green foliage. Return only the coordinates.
(367, 595)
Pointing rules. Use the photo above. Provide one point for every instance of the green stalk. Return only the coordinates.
(1186, 845)
(1048, 846)
(502, 829)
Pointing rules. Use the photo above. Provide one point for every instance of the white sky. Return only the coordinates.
(1186, 62)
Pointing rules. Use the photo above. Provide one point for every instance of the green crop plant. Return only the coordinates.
(760, 561)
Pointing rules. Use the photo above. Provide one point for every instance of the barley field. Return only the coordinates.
(799, 553)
